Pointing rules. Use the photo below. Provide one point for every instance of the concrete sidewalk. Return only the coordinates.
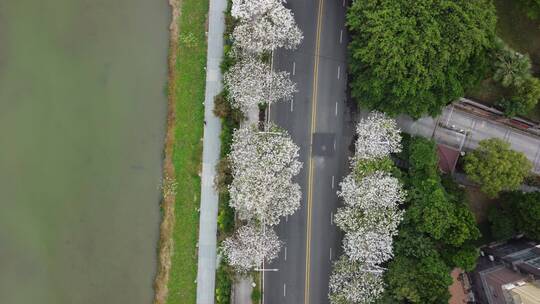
(206, 272)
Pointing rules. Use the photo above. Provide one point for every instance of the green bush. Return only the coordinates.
(256, 295)
(502, 224)
(223, 284)
(531, 8)
(369, 166)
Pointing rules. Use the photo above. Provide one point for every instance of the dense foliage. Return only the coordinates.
(531, 8)
(415, 57)
(518, 213)
(436, 234)
(496, 167)
(511, 67)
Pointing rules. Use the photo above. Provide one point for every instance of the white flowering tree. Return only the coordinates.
(354, 283)
(250, 246)
(264, 25)
(376, 190)
(378, 136)
(371, 214)
(251, 82)
(263, 165)
(368, 234)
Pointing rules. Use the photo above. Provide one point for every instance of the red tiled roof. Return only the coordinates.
(448, 158)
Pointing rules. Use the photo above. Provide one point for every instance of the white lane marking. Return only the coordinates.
(332, 182)
(334, 144)
(343, 3)
(330, 253)
(336, 108)
(285, 257)
(284, 289)
(341, 36)
(293, 68)
(338, 71)
(286, 218)
(331, 218)
(292, 105)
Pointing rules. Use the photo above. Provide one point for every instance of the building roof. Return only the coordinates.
(526, 293)
(448, 158)
(494, 278)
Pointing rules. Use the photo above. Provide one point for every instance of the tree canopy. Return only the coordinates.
(519, 210)
(531, 8)
(263, 165)
(415, 57)
(496, 167)
(436, 233)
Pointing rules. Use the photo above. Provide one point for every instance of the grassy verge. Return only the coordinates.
(186, 88)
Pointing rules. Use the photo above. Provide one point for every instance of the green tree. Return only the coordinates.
(531, 8)
(496, 167)
(415, 57)
(526, 212)
(524, 98)
(425, 280)
(423, 160)
(502, 223)
(464, 257)
(511, 68)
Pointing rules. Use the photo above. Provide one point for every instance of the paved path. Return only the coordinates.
(449, 129)
(211, 149)
(242, 291)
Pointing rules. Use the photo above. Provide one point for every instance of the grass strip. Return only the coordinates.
(187, 89)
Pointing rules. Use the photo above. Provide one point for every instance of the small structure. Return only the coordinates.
(448, 158)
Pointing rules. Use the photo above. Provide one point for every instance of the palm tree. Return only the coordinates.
(511, 67)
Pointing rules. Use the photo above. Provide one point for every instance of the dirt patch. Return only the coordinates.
(166, 243)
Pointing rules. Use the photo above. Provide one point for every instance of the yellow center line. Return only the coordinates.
(310, 166)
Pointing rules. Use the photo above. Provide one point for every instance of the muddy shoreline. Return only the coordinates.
(165, 247)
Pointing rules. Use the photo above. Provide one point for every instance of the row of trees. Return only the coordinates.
(436, 234)
(262, 160)
(262, 26)
(415, 57)
(263, 164)
(370, 216)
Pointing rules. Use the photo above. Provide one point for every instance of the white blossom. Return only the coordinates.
(250, 246)
(353, 282)
(350, 219)
(263, 165)
(378, 136)
(251, 82)
(368, 245)
(368, 235)
(264, 25)
(376, 190)
(251, 9)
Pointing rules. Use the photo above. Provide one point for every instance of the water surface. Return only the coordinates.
(82, 114)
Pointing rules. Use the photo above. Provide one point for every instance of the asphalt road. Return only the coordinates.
(476, 127)
(321, 123)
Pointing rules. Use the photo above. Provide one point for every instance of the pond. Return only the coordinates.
(82, 122)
